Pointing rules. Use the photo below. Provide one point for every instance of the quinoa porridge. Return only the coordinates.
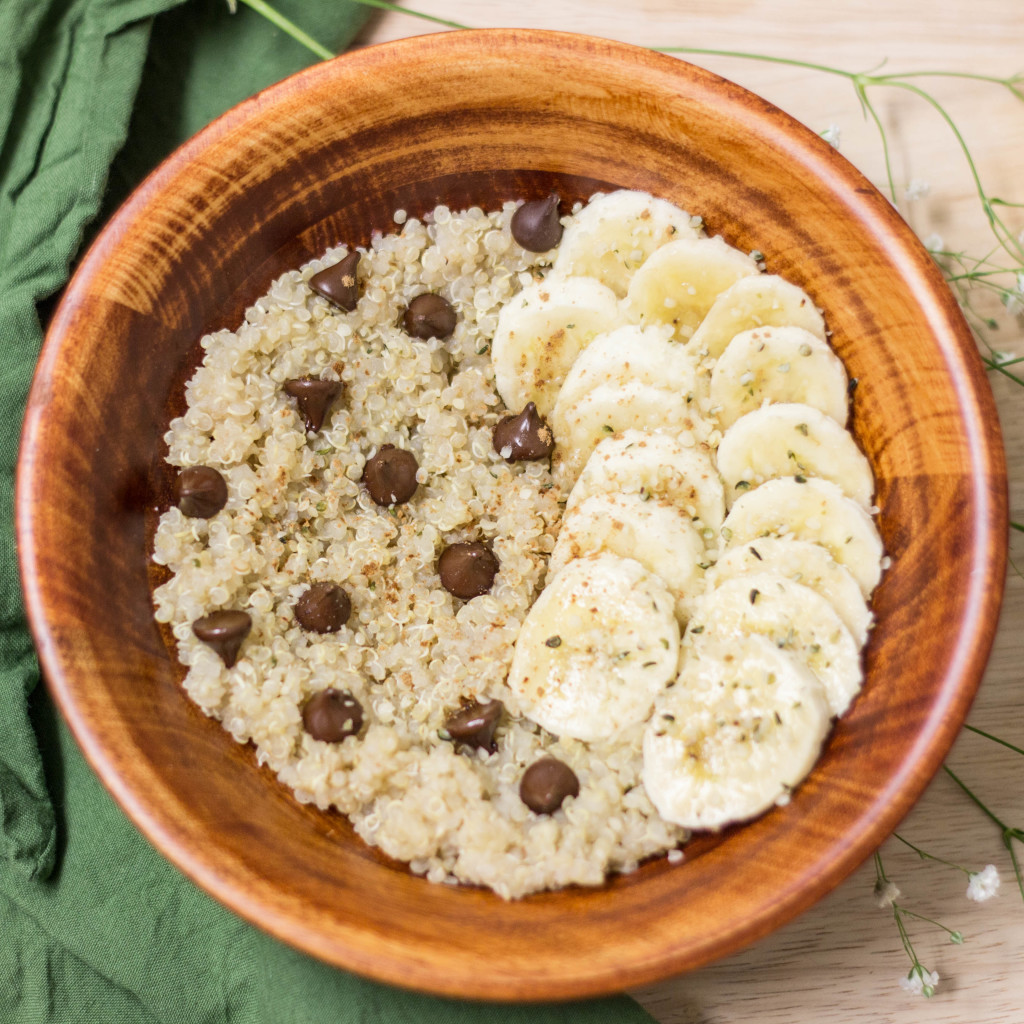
(368, 503)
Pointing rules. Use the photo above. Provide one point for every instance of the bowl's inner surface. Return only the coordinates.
(327, 158)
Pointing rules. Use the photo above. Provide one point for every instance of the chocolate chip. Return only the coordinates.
(474, 725)
(526, 436)
(535, 226)
(429, 316)
(338, 284)
(200, 492)
(332, 715)
(314, 396)
(467, 570)
(546, 784)
(323, 608)
(224, 631)
(390, 476)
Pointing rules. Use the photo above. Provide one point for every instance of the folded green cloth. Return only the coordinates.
(95, 926)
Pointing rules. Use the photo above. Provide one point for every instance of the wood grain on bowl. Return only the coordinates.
(326, 157)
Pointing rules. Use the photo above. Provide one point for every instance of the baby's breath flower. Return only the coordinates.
(934, 243)
(886, 893)
(984, 884)
(917, 189)
(1013, 303)
(831, 135)
(920, 981)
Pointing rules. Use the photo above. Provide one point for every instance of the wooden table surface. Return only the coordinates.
(841, 961)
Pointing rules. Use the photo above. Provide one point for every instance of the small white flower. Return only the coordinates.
(917, 189)
(1014, 304)
(886, 893)
(983, 884)
(920, 982)
(831, 135)
(1003, 357)
(934, 243)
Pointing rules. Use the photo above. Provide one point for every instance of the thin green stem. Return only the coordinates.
(961, 259)
(1008, 843)
(880, 875)
(994, 220)
(870, 110)
(743, 55)
(288, 26)
(956, 936)
(924, 855)
(383, 5)
(1002, 290)
(1020, 528)
(1008, 83)
(977, 275)
(956, 778)
(861, 81)
(1008, 834)
(993, 365)
(981, 732)
(904, 936)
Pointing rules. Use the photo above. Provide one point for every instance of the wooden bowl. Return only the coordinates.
(477, 118)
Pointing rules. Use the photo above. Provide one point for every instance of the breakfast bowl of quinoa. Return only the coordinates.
(502, 504)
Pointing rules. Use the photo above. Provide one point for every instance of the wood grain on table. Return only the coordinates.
(841, 960)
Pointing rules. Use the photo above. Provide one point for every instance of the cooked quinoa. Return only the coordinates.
(411, 653)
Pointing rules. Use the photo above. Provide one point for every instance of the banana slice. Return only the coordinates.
(739, 730)
(660, 537)
(614, 233)
(797, 619)
(792, 440)
(541, 331)
(761, 301)
(596, 648)
(680, 282)
(631, 353)
(777, 364)
(608, 409)
(655, 466)
(802, 562)
(817, 511)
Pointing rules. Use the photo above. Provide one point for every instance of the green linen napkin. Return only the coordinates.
(95, 926)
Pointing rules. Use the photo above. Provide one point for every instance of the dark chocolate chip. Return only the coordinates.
(467, 570)
(546, 784)
(429, 316)
(390, 476)
(315, 398)
(323, 608)
(535, 226)
(200, 492)
(525, 436)
(338, 284)
(332, 715)
(224, 631)
(474, 725)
